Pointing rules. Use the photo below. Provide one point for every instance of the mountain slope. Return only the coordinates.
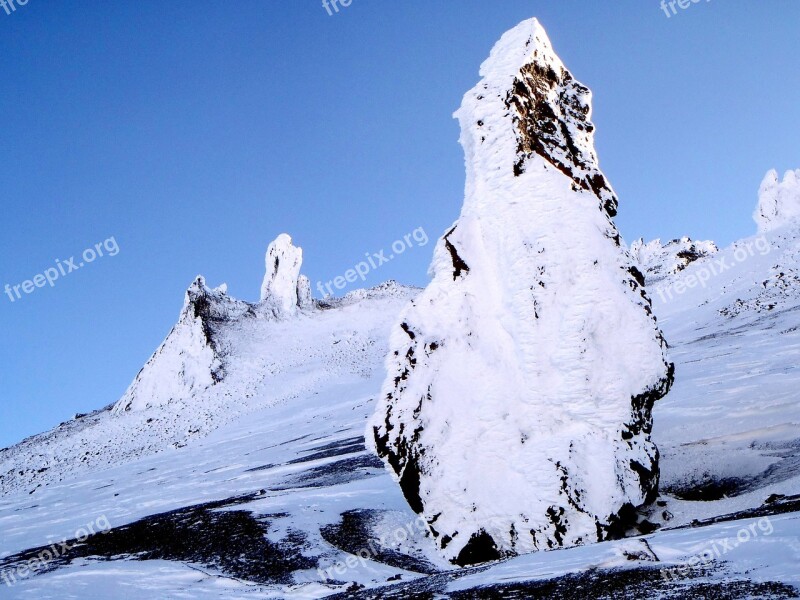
(289, 465)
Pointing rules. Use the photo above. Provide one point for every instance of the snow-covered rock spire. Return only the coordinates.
(516, 415)
(189, 360)
(283, 287)
(778, 201)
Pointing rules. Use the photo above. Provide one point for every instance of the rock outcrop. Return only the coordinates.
(284, 288)
(517, 411)
(191, 358)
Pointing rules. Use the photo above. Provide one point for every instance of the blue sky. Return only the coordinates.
(193, 132)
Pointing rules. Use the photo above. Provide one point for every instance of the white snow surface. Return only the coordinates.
(511, 377)
(778, 201)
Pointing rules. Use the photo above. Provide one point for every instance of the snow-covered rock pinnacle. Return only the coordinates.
(282, 278)
(189, 359)
(778, 201)
(516, 415)
(658, 261)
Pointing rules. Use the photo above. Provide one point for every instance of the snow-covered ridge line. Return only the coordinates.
(192, 357)
(658, 261)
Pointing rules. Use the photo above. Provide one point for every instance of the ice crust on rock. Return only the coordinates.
(280, 287)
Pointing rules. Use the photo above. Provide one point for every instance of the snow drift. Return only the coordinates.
(517, 411)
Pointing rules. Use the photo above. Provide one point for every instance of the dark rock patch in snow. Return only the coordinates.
(231, 542)
(352, 445)
(774, 505)
(355, 533)
(709, 490)
(337, 473)
(595, 584)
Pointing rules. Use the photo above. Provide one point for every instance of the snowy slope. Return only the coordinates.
(279, 484)
(516, 413)
(731, 425)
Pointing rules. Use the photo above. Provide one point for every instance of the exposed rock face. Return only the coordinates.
(657, 261)
(778, 201)
(517, 411)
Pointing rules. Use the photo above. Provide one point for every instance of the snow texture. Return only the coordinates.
(778, 201)
(657, 261)
(516, 415)
(260, 486)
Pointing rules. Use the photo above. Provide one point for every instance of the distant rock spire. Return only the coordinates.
(192, 357)
(778, 201)
(282, 279)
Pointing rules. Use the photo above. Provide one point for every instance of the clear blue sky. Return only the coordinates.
(194, 132)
